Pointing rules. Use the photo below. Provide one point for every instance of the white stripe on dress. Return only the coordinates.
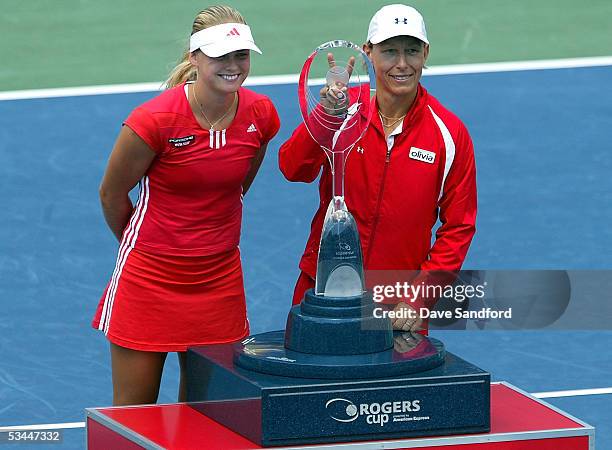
(126, 247)
(223, 138)
(449, 144)
(127, 232)
(130, 242)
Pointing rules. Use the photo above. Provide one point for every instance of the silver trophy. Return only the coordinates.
(336, 101)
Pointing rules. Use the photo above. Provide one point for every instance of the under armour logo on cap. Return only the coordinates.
(404, 20)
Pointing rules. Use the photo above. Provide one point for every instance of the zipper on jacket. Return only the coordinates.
(378, 202)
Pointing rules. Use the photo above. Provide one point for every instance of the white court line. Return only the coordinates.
(577, 392)
(552, 394)
(44, 426)
(455, 69)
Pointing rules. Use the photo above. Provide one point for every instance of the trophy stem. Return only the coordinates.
(338, 162)
(338, 175)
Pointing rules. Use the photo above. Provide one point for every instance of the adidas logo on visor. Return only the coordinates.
(233, 32)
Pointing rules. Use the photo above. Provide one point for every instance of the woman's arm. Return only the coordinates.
(128, 162)
(457, 212)
(255, 165)
(300, 158)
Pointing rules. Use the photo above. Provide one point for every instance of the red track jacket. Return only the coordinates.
(397, 195)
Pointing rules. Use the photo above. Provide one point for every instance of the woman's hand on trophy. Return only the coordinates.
(334, 95)
(405, 342)
(408, 320)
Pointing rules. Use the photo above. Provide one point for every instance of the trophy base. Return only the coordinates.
(267, 353)
(451, 398)
(322, 325)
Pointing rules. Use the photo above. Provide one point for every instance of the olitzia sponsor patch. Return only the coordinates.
(422, 155)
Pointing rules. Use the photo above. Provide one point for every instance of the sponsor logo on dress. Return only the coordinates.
(181, 141)
(422, 155)
(251, 128)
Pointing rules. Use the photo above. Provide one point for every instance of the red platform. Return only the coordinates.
(518, 422)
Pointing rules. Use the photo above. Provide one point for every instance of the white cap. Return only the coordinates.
(396, 20)
(222, 39)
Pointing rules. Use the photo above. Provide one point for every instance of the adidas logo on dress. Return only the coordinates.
(251, 128)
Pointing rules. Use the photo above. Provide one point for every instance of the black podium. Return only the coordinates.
(332, 376)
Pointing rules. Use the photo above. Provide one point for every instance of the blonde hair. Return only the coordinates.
(211, 16)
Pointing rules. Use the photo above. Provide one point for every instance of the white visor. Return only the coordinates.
(222, 39)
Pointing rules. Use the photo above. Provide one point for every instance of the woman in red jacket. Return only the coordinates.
(414, 165)
(194, 150)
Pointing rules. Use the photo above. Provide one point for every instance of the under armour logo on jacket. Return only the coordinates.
(404, 20)
(217, 138)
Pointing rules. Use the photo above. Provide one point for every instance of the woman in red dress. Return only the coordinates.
(194, 150)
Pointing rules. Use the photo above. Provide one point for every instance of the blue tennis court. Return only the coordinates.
(542, 142)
